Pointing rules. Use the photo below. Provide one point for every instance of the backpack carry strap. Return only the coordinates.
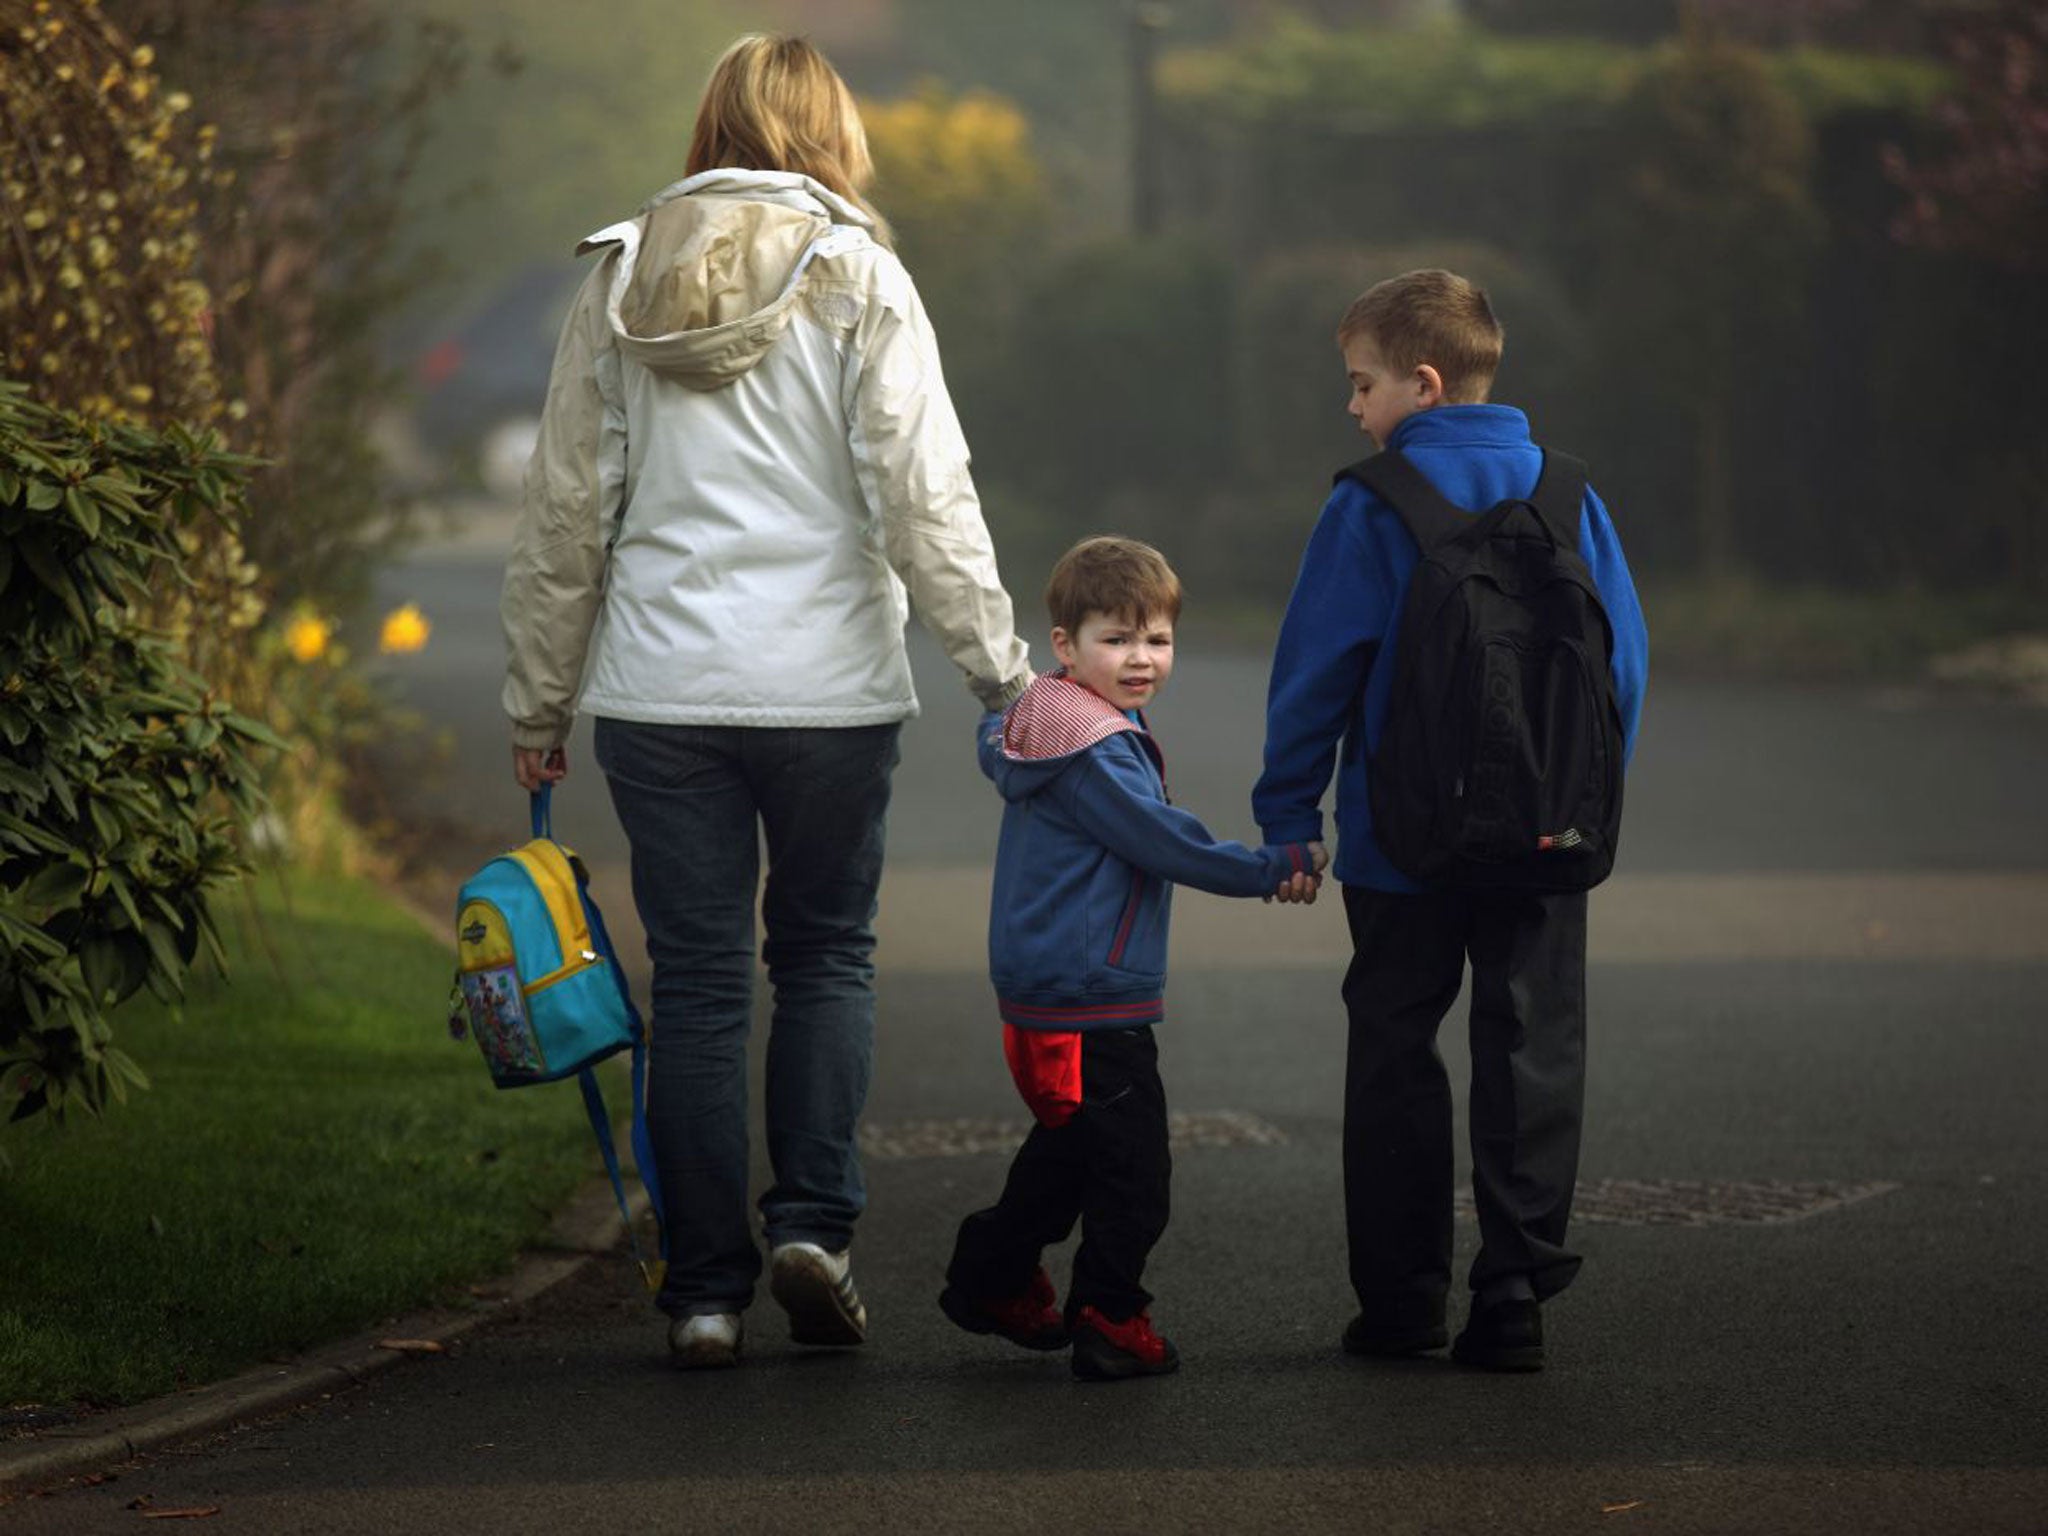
(1559, 496)
(1432, 517)
(1429, 515)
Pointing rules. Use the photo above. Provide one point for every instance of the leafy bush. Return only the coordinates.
(958, 179)
(1444, 75)
(1449, 74)
(124, 778)
(1709, 255)
(103, 302)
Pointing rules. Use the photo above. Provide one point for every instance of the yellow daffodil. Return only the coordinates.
(306, 637)
(405, 629)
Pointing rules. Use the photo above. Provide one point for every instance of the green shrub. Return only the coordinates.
(1458, 75)
(124, 779)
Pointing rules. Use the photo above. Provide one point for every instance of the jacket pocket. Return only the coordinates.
(1127, 922)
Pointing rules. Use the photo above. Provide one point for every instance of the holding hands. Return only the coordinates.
(1302, 885)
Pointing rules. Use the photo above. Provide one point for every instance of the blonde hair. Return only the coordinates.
(774, 103)
(1119, 578)
(1435, 317)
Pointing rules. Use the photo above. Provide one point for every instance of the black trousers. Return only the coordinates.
(1528, 1037)
(1108, 1168)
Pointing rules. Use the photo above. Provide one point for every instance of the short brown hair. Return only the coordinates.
(1435, 317)
(1118, 577)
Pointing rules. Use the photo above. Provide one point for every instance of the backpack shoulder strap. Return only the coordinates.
(1560, 493)
(1392, 476)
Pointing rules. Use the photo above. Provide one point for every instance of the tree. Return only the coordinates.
(318, 117)
(1985, 190)
(1716, 226)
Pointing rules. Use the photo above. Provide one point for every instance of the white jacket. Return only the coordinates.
(747, 409)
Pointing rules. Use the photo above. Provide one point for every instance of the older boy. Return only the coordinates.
(1421, 351)
(1085, 868)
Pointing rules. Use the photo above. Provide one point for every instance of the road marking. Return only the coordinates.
(934, 921)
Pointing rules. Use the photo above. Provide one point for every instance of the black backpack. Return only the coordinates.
(1500, 766)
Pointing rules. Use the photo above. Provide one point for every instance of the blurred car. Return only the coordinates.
(478, 387)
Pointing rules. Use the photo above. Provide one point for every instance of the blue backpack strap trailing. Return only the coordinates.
(593, 1097)
(642, 1144)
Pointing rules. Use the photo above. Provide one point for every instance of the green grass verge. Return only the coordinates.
(314, 1154)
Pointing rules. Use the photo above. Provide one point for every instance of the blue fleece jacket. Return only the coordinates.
(1333, 665)
(1088, 857)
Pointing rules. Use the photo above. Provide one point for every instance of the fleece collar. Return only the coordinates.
(1462, 426)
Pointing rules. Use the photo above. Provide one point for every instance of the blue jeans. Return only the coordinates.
(694, 802)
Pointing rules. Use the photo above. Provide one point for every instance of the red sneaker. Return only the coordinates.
(1107, 1351)
(1030, 1319)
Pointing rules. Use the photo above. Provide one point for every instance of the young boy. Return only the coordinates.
(1085, 868)
(1421, 351)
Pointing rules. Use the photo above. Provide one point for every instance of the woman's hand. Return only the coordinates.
(533, 767)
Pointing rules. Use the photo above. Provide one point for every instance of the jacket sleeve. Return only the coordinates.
(575, 481)
(1601, 549)
(1112, 800)
(913, 465)
(1331, 632)
(988, 742)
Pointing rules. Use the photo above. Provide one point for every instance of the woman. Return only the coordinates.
(747, 461)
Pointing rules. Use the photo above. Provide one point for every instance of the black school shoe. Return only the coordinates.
(1507, 1336)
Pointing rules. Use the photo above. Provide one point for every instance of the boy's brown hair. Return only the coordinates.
(1108, 575)
(1435, 317)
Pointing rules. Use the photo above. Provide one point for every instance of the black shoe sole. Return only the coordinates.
(1096, 1359)
(965, 1314)
(1517, 1358)
(1395, 1346)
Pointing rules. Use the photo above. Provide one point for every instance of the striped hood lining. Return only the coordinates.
(1057, 717)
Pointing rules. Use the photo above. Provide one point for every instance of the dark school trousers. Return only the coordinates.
(1528, 1039)
(1108, 1168)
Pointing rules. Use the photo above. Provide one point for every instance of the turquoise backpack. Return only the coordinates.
(540, 988)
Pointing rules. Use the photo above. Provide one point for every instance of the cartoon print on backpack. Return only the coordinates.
(497, 1017)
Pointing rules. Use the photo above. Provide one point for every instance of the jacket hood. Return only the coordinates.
(1053, 721)
(706, 276)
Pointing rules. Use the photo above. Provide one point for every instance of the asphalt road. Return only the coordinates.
(1813, 1193)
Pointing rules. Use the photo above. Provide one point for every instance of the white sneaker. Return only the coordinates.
(708, 1341)
(816, 1289)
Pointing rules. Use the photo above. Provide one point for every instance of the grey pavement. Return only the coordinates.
(1812, 1209)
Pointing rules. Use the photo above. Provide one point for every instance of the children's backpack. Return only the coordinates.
(1500, 766)
(540, 988)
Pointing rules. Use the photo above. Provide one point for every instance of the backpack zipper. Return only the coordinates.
(583, 962)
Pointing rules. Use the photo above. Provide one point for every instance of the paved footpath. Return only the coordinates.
(1813, 1202)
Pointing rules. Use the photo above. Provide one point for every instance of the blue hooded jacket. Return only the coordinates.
(1333, 666)
(1089, 854)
